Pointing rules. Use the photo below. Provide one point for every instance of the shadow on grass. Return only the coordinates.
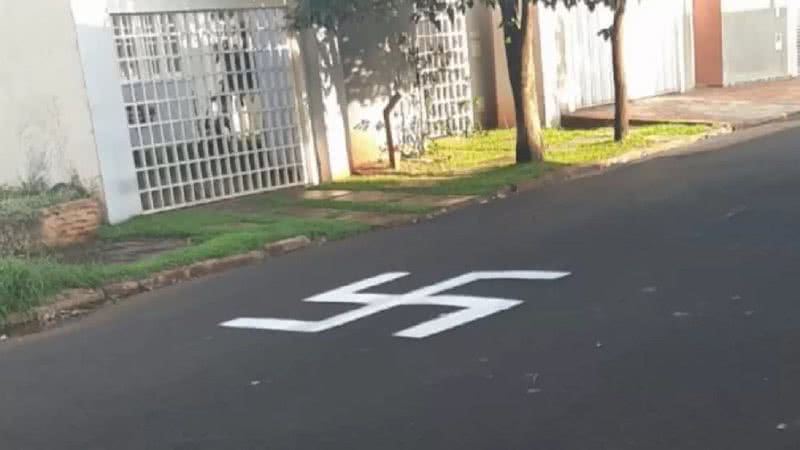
(480, 182)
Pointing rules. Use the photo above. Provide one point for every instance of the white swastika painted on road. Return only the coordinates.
(472, 308)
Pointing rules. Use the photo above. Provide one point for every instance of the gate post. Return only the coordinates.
(102, 78)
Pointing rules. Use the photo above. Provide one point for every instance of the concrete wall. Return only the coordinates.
(708, 42)
(372, 61)
(373, 64)
(483, 26)
(45, 123)
(755, 40)
(322, 75)
(504, 99)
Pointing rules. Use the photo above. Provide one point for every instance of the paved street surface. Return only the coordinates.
(678, 328)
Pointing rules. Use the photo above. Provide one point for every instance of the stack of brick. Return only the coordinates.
(70, 223)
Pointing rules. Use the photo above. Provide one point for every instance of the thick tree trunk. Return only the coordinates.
(520, 40)
(621, 112)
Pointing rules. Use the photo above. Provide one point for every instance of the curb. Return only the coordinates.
(73, 302)
(785, 117)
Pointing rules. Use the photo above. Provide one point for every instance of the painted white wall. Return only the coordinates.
(44, 112)
(757, 40)
(576, 62)
(792, 38)
(324, 82)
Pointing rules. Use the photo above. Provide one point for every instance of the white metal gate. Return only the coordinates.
(445, 75)
(440, 101)
(211, 102)
(655, 63)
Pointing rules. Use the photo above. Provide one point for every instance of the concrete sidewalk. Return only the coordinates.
(738, 107)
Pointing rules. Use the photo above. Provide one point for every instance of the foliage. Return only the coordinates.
(332, 13)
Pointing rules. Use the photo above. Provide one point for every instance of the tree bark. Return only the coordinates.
(387, 122)
(621, 111)
(520, 40)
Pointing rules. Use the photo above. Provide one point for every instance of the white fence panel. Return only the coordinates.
(655, 51)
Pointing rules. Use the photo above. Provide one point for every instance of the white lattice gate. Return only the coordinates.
(440, 102)
(445, 75)
(211, 102)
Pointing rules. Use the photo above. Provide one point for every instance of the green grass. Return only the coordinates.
(26, 283)
(481, 164)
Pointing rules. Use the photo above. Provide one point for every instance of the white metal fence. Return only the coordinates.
(656, 63)
(211, 102)
(440, 103)
(445, 75)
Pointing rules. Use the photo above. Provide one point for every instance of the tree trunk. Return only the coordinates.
(621, 112)
(520, 41)
(387, 122)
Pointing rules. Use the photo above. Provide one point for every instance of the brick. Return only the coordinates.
(287, 245)
(237, 261)
(202, 269)
(165, 278)
(122, 290)
(222, 264)
(72, 299)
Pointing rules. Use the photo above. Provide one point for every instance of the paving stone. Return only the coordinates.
(312, 213)
(122, 290)
(322, 195)
(377, 219)
(372, 196)
(436, 201)
(737, 106)
(287, 245)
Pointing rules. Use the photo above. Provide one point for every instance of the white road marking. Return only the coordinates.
(471, 308)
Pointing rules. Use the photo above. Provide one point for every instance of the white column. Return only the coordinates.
(792, 11)
(324, 82)
(109, 122)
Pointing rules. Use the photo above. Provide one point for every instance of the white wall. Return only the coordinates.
(576, 62)
(758, 40)
(44, 112)
(793, 39)
(97, 52)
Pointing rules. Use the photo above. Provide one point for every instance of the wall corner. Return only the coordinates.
(327, 102)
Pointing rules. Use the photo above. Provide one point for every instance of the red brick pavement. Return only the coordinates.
(738, 106)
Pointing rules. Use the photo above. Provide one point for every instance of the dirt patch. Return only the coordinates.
(118, 252)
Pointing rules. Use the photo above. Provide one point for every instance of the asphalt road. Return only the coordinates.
(678, 328)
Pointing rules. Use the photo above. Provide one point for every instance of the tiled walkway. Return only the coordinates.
(739, 106)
